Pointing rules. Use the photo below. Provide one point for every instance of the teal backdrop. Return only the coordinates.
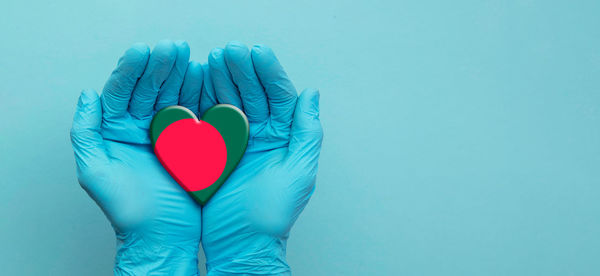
(461, 137)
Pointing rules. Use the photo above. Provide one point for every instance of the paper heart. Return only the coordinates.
(200, 154)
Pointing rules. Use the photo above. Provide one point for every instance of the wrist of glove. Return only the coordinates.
(139, 255)
(248, 256)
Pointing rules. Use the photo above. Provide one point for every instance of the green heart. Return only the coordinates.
(228, 120)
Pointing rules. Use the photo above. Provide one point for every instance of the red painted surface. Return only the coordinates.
(193, 152)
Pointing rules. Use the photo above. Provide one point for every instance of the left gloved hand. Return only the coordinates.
(157, 224)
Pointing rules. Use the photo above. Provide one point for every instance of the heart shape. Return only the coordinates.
(200, 154)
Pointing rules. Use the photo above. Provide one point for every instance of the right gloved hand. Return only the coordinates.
(247, 222)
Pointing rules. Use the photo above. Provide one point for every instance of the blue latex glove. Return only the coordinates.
(157, 224)
(247, 222)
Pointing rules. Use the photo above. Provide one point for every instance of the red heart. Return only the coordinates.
(193, 152)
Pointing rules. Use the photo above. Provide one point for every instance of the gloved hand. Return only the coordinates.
(157, 224)
(247, 222)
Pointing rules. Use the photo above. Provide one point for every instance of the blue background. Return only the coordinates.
(462, 137)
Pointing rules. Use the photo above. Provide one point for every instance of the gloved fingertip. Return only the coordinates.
(195, 67)
(309, 102)
(138, 52)
(315, 97)
(216, 52)
(183, 49)
(141, 48)
(215, 55)
(235, 44)
(165, 47)
(264, 60)
(181, 43)
(87, 97)
(235, 50)
(260, 48)
(89, 111)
